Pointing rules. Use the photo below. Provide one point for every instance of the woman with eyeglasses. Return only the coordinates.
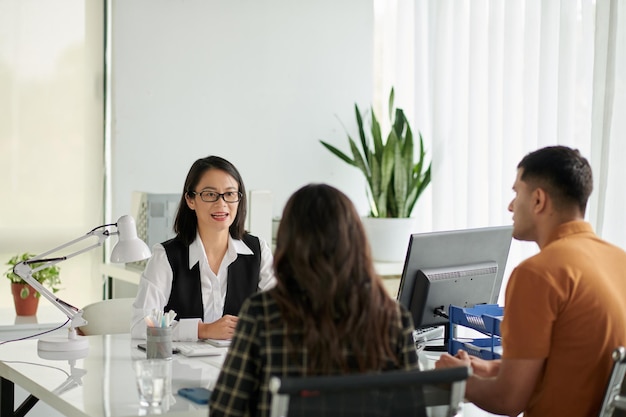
(212, 264)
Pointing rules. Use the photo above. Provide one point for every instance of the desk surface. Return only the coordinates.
(103, 383)
(105, 378)
(47, 315)
(12, 326)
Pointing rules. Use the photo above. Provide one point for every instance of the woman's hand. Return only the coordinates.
(224, 328)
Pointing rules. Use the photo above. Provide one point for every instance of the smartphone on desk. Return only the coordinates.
(198, 395)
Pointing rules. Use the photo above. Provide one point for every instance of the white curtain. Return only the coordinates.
(487, 81)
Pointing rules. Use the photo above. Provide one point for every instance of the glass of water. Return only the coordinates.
(154, 377)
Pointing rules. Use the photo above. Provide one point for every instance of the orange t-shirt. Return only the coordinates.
(567, 304)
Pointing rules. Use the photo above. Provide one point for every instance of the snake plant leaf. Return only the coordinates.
(359, 162)
(407, 152)
(364, 144)
(417, 190)
(421, 178)
(375, 188)
(423, 183)
(388, 159)
(376, 135)
(391, 103)
(338, 153)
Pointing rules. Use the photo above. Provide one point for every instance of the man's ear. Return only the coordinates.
(540, 199)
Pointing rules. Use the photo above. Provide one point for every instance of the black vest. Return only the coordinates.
(186, 296)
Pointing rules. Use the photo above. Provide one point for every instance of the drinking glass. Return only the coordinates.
(153, 379)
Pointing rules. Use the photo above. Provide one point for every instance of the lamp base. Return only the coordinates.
(72, 355)
(62, 343)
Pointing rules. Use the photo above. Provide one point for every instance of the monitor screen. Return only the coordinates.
(460, 267)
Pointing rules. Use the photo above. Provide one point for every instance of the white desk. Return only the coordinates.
(107, 382)
(12, 326)
(106, 378)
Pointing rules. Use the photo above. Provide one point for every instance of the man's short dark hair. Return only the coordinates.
(562, 172)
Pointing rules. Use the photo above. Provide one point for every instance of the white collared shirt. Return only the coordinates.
(155, 285)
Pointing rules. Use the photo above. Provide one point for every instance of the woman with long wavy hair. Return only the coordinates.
(328, 314)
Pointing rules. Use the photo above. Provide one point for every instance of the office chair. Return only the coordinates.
(107, 316)
(393, 393)
(614, 404)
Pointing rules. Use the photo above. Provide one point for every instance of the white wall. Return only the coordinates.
(257, 82)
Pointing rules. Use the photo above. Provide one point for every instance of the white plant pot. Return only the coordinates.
(389, 238)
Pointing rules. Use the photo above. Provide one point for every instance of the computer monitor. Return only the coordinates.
(459, 267)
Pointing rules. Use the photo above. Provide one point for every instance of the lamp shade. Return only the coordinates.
(129, 247)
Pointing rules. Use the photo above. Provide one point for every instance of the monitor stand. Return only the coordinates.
(437, 348)
(443, 347)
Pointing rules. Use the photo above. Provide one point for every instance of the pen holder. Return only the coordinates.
(159, 342)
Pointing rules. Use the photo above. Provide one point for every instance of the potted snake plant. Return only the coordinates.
(396, 174)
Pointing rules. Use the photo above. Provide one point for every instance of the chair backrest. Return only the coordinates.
(108, 316)
(393, 393)
(614, 403)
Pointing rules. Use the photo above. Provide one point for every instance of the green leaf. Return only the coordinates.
(338, 153)
(24, 292)
(364, 143)
(359, 162)
(391, 99)
(400, 182)
(377, 136)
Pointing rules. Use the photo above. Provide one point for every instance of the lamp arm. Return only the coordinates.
(102, 235)
(24, 271)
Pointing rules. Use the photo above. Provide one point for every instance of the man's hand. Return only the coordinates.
(448, 361)
(224, 328)
(501, 386)
(480, 367)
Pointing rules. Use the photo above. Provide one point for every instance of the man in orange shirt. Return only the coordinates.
(565, 308)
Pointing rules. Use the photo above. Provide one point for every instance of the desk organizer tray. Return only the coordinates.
(485, 318)
(487, 348)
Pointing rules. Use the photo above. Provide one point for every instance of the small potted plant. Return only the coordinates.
(25, 297)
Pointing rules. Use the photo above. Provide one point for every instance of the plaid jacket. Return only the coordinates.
(258, 352)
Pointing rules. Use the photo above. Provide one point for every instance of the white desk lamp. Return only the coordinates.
(128, 249)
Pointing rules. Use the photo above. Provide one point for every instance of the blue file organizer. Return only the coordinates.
(484, 318)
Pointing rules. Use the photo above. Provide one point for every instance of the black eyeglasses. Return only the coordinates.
(212, 196)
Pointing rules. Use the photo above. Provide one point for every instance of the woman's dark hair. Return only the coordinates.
(327, 287)
(186, 222)
(563, 172)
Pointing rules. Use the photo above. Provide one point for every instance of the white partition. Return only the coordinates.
(259, 221)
